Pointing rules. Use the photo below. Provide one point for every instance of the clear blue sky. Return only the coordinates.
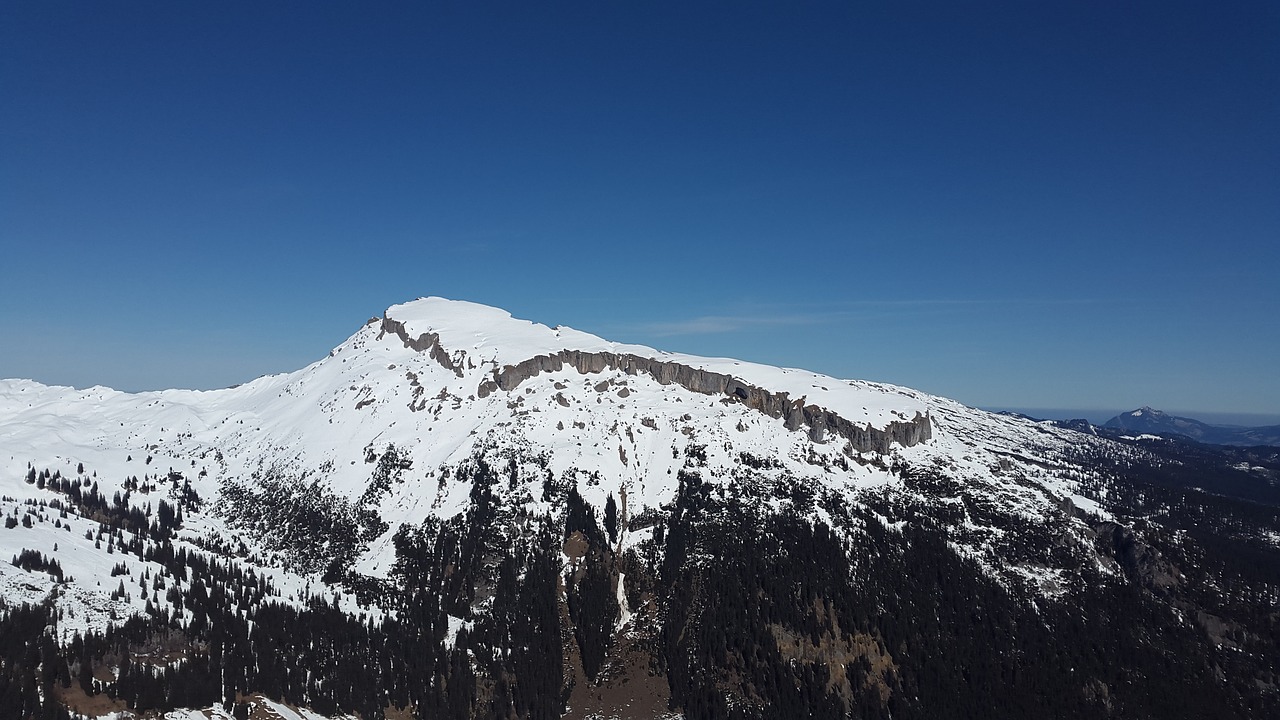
(1066, 204)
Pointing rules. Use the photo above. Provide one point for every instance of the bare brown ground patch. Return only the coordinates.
(626, 689)
(836, 649)
(395, 713)
(78, 702)
(576, 546)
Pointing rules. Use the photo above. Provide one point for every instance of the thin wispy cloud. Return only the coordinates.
(775, 317)
(710, 324)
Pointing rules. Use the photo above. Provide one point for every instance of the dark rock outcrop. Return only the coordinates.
(426, 342)
(821, 423)
(1140, 562)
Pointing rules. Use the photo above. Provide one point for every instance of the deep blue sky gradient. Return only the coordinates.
(1066, 204)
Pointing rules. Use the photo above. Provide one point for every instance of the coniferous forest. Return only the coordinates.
(741, 604)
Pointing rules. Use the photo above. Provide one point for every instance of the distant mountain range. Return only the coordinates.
(1154, 422)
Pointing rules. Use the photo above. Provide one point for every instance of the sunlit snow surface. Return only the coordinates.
(261, 709)
(373, 391)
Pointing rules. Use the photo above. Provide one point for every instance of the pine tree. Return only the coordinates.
(611, 519)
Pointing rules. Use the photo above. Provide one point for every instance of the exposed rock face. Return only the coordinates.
(426, 342)
(820, 421)
(1139, 561)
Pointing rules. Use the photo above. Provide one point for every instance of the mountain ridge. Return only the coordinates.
(1155, 422)
(703, 536)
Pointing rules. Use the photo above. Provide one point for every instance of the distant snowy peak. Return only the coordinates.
(1150, 421)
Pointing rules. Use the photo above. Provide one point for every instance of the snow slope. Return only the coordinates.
(416, 379)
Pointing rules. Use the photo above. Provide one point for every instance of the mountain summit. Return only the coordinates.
(457, 513)
(1149, 420)
(1154, 422)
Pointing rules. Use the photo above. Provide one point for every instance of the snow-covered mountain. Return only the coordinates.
(440, 380)
(1156, 422)
(486, 486)
(437, 378)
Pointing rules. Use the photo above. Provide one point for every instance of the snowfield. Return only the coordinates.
(618, 434)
